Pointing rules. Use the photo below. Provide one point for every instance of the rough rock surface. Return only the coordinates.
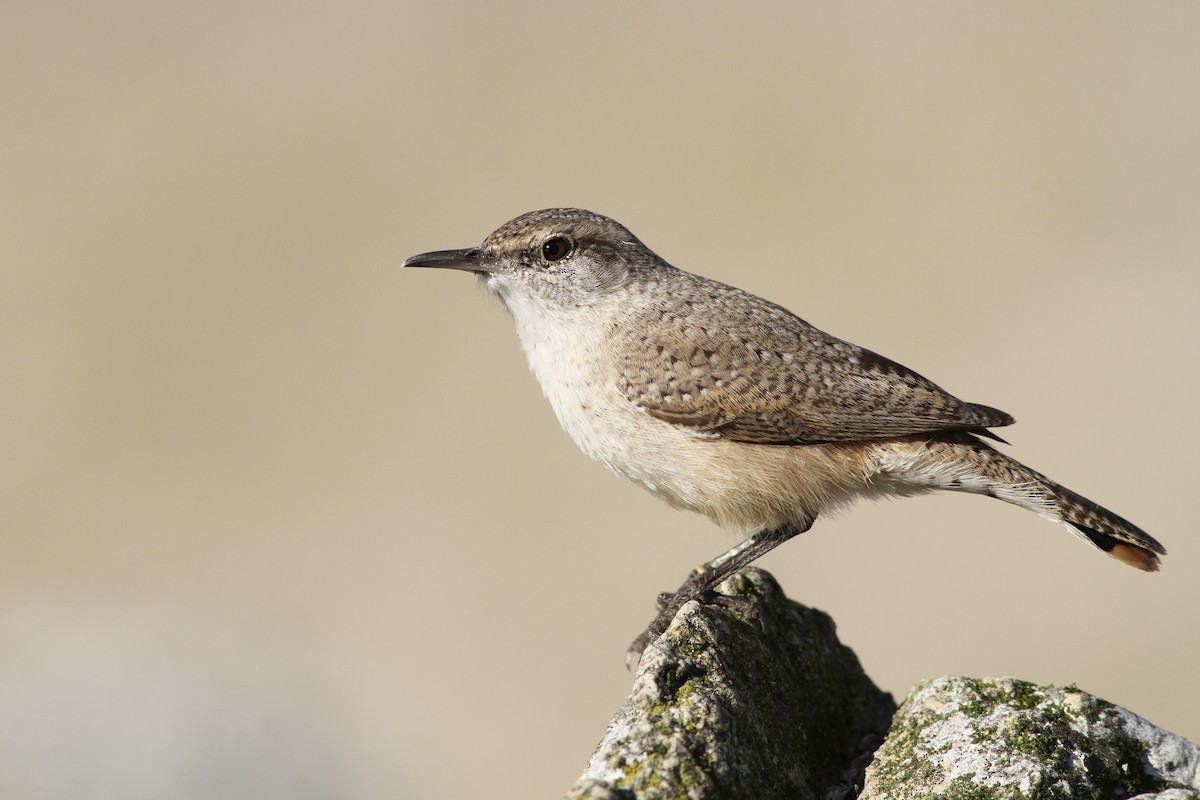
(758, 699)
(1005, 738)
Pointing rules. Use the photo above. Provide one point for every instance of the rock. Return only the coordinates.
(757, 699)
(1005, 738)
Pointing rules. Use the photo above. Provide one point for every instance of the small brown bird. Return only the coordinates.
(720, 402)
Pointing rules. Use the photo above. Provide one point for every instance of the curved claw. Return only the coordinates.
(634, 654)
(668, 604)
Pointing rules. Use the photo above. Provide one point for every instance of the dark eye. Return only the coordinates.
(556, 249)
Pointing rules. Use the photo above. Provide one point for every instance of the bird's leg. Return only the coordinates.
(705, 578)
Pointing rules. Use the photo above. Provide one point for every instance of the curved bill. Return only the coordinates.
(471, 259)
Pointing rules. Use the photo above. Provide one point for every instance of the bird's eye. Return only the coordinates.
(556, 248)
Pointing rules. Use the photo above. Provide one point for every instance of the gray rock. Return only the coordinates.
(758, 699)
(755, 700)
(1005, 738)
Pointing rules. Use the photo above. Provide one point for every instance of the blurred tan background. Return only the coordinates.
(280, 520)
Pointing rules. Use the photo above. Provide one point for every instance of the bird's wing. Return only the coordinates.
(804, 387)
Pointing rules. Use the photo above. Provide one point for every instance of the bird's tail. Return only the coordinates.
(960, 462)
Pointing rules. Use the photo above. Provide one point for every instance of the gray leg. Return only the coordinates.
(706, 577)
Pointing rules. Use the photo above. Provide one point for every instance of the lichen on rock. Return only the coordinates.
(758, 699)
(1006, 738)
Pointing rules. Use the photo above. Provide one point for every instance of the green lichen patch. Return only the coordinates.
(960, 738)
(750, 699)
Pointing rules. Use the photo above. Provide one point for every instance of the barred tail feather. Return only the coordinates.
(960, 462)
(1115, 535)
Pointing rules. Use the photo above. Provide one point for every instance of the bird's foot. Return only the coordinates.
(669, 605)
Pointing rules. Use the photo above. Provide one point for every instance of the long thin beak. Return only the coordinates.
(472, 259)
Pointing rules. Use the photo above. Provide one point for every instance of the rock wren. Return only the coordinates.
(720, 402)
